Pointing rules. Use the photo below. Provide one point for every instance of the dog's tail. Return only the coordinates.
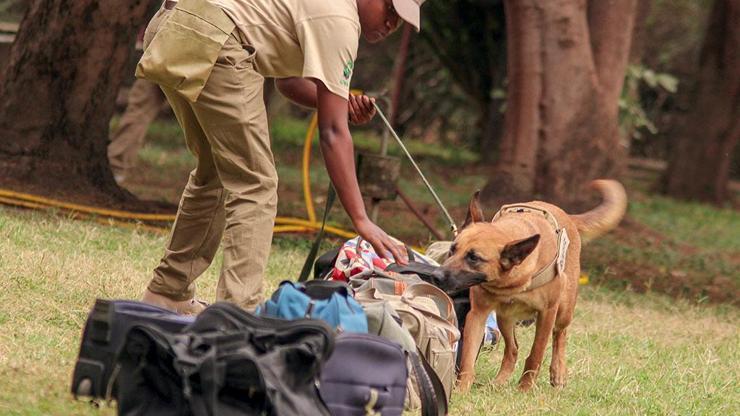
(607, 215)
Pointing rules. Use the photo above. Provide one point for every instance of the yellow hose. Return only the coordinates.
(80, 215)
(307, 166)
(113, 217)
(316, 225)
(290, 229)
(86, 209)
(21, 203)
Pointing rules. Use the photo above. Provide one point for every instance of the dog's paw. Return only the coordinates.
(527, 381)
(464, 382)
(502, 378)
(500, 381)
(525, 386)
(557, 380)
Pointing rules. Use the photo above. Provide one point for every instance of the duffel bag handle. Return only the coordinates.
(324, 289)
(443, 301)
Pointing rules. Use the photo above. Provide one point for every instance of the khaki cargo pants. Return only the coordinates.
(233, 190)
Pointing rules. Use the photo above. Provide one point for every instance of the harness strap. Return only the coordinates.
(557, 266)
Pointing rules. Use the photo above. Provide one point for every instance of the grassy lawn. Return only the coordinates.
(164, 165)
(690, 251)
(627, 353)
(687, 250)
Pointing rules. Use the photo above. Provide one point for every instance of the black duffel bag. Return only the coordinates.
(227, 362)
(103, 337)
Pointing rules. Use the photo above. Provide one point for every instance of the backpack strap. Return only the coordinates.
(308, 264)
(439, 390)
(431, 390)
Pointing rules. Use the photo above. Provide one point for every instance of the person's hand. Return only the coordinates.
(381, 242)
(361, 109)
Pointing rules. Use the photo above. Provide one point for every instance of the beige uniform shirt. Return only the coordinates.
(300, 38)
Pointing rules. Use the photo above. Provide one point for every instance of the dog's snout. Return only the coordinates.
(456, 281)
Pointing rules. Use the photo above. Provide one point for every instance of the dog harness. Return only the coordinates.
(557, 266)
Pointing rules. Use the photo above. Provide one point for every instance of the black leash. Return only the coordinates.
(308, 264)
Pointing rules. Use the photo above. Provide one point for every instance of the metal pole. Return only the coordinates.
(419, 215)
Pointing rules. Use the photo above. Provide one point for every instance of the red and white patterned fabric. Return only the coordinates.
(354, 261)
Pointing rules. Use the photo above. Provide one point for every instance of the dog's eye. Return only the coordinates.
(472, 257)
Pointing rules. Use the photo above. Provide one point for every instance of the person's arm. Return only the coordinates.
(338, 152)
(299, 90)
(303, 92)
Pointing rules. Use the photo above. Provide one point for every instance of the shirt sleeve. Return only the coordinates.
(329, 47)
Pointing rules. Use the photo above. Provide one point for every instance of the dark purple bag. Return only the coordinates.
(365, 372)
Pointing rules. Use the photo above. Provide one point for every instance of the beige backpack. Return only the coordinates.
(426, 312)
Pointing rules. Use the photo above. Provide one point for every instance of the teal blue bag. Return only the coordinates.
(329, 301)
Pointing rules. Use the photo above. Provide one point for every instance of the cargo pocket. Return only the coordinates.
(185, 47)
(441, 358)
(240, 58)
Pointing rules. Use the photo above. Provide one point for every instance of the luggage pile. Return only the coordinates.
(364, 338)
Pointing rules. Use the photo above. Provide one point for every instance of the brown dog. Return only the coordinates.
(530, 256)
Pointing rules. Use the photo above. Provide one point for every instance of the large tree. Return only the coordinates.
(566, 61)
(57, 94)
(700, 154)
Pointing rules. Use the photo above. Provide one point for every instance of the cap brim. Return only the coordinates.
(409, 11)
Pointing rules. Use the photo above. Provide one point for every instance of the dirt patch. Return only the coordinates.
(681, 278)
(84, 194)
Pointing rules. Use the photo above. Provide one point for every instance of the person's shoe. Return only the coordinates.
(183, 307)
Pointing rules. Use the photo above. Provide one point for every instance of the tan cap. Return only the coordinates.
(410, 11)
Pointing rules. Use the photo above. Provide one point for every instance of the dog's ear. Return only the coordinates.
(475, 213)
(515, 252)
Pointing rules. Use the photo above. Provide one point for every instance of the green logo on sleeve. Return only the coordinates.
(348, 67)
(347, 72)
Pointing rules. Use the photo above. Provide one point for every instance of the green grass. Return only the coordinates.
(678, 248)
(164, 164)
(691, 223)
(290, 132)
(688, 250)
(627, 353)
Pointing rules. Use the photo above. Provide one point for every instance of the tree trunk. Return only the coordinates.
(699, 160)
(640, 31)
(492, 123)
(566, 64)
(58, 94)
